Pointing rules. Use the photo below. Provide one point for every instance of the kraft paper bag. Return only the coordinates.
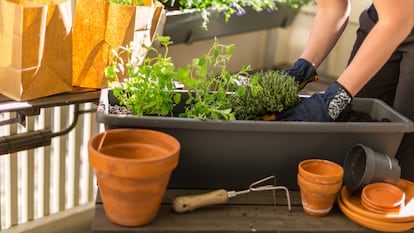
(101, 27)
(35, 48)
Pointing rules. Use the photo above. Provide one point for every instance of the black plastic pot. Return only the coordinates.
(363, 166)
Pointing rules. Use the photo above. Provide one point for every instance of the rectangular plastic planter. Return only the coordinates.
(232, 154)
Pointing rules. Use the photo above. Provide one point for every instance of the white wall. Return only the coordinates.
(252, 48)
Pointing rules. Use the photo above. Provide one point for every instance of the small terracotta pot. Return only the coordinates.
(133, 168)
(317, 199)
(319, 182)
(321, 171)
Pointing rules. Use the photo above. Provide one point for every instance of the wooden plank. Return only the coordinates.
(235, 216)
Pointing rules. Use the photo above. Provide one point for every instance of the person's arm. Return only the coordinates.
(328, 25)
(395, 22)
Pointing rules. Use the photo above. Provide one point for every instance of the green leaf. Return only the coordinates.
(241, 91)
(110, 72)
(164, 40)
(177, 98)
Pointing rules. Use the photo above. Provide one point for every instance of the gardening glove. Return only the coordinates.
(320, 107)
(303, 71)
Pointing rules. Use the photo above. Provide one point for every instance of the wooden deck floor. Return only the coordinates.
(252, 212)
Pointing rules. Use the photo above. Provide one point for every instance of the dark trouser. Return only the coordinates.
(394, 84)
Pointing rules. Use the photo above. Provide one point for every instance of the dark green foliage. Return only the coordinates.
(268, 92)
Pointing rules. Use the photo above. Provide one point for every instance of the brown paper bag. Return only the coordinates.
(35, 48)
(101, 26)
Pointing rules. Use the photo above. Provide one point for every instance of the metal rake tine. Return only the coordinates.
(261, 188)
(270, 187)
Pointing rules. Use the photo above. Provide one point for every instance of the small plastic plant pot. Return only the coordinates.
(382, 198)
(363, 166)
(133, 168)
(321, 171)
(317, 199)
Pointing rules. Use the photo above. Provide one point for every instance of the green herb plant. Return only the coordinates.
(268, 92)
(211, 85)
(213, 92)
(231, 7)
(148, 88)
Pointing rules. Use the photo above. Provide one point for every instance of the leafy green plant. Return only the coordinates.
(267, 92)
(231, 7)
(211, 85)
(148, 88)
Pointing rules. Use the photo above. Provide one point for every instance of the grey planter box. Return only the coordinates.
(232, 154)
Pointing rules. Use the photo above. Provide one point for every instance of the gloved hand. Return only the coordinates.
(303, 71)
(320, 107)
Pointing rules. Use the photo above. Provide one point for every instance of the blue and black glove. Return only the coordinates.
(320, 107)
(303, 71)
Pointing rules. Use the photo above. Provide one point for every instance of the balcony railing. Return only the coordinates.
(50, 180)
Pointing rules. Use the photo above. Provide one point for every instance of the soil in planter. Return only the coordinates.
(350, 115)
(117, 109)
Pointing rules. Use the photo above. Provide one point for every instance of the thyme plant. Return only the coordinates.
(268, 92)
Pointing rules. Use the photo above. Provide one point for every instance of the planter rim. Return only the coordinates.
(171, 158)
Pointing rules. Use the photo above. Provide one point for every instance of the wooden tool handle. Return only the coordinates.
(188, 203)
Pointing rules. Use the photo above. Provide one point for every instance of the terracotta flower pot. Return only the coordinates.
(317, 199)
(319, 182)
(133, 168)
(321, 171)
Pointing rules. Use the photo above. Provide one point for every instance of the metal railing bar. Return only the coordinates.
(45, 121)
(34, 139)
